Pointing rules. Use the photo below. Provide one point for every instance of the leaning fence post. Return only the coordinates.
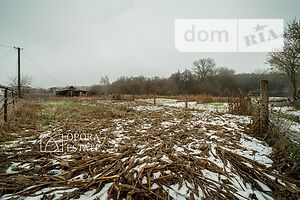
(264, 107)
(5, 105)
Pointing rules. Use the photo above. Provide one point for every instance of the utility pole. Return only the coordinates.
(19, 71)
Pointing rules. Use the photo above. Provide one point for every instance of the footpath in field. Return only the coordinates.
(140, 151)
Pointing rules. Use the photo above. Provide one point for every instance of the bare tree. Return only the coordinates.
(25, 82)
(227, 81)
(187, 78)
(104, 83)
(203, 67)
(288, 61)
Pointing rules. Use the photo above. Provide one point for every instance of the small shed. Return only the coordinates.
(71, 92)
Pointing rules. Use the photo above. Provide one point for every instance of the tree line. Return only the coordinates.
(205, 78)
(219, 81)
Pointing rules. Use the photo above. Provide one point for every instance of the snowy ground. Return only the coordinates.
(217, 107)
(287, 118)
(162, 150)
(289, 110)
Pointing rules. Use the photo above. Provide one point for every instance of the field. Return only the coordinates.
(89, 148)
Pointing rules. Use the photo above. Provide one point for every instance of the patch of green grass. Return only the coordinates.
(116, 110)
(53, 112)
(57, 110)
(216, 104)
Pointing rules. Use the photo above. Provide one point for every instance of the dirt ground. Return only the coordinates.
(98, 149)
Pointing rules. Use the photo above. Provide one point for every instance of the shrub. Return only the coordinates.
(240, 105)
(286, 154)
(22, 116)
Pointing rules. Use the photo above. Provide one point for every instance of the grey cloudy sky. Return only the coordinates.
(75, 42)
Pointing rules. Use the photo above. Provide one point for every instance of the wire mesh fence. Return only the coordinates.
(7, 98)
(1, 100)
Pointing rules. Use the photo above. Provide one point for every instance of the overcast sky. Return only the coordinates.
(75, 42)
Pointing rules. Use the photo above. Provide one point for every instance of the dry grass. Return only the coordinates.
(24, 115)
(286, 154)
(240, 105)
(138, 150)
(296, 104)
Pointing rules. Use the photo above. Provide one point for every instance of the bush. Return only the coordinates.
(286, 154)
(240, 105)
(296, 105)
(22, 116)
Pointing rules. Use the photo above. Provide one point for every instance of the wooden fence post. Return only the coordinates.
(13, 97)
(264, 107)
(154, 99)
(186, 102)
(5, 105)
(249, 105)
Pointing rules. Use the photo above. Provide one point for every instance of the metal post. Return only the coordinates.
(264, 107)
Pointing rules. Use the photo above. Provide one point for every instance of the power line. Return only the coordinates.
(19, 64)
(41, 69)
(6, 46)
(7, 53)
(16, 68)
(12, 53)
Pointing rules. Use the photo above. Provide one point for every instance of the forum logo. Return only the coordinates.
(229, 35)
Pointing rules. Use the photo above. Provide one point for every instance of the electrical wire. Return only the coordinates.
(41, 69)
(7, 53)
(6, 46)
(12, 53)
(16, 68)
